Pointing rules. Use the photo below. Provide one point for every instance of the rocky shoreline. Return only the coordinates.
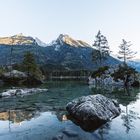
(118, 76)
(16, 77)
(22, 92)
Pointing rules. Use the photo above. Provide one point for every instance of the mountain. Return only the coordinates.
(135, 64)
(64, 53)
(18, 39)
(65, 39)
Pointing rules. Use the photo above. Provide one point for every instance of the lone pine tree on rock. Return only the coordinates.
(125, 72)
(125, 53)
(102, 49)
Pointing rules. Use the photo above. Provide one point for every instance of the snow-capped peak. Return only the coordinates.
(70, 41)
(17, 35)
(40, 43)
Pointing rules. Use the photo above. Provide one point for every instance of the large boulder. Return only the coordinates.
(92, 111)
(18, 78)
(14, 77)
(15, 74)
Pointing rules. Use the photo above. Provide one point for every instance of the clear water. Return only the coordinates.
(42, 116)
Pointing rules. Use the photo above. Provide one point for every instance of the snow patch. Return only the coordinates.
(57, 47)
(40, 43)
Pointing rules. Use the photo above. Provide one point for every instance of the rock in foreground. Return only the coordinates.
(22, 92)
(92, 111)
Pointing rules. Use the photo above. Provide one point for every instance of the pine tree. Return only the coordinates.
(102, 49)
(30, 66)
(125, 53)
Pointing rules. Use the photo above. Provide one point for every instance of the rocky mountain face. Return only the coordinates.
(63, 53)
(65, 39)
(18, 39)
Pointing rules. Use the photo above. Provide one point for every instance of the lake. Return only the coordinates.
(43, 116)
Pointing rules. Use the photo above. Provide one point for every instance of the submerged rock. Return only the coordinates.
(90, 112)
(22, 92)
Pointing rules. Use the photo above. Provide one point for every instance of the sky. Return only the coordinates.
(80, 19)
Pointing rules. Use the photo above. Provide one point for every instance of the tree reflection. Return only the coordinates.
(104, 130)
(128, 116)
(125, 96)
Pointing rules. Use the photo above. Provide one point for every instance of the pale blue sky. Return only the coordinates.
(81, 19)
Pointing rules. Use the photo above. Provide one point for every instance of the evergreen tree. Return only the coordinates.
(102, 50)
(125, 53)
(30, 66)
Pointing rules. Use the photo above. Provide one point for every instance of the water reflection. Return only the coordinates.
(126, 98)
(17, 116)
(122, 95)
(22, 111)
(104, 130)
(87, 126)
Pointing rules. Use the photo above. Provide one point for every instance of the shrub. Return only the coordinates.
(99, 72)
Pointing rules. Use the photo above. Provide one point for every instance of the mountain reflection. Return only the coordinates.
(17, 116)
